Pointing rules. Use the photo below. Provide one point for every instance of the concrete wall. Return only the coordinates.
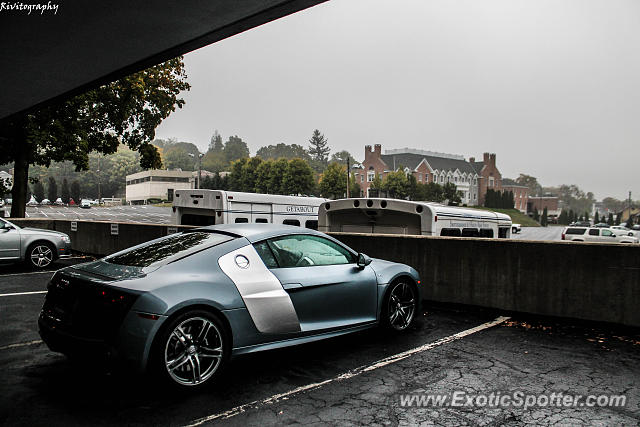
(588, 281)
(95, 238)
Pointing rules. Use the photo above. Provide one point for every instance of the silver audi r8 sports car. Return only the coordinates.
(181, 305)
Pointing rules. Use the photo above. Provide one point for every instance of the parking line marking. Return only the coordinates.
(22, 293)
(22, 344)
(347, 375)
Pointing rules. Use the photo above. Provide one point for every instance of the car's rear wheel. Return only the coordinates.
(192, 349)
(400, 305)
(40, 255)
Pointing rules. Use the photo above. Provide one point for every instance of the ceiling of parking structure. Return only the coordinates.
(46, 55)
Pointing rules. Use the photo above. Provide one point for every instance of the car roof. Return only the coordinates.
(257, 232)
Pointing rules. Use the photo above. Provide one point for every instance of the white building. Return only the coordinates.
(157, 184)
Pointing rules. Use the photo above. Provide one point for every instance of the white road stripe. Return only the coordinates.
(22, 344)
(347, 375)
(22, 293)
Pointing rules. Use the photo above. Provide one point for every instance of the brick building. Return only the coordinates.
(552, 204)
(470, 177)
(520, 193)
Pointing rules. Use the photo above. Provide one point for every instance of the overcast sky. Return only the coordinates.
(550, 86)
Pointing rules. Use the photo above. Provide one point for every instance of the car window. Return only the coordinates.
(607, 233)
(595, 232)
(266, 254)
(307, 250)
(578, 231)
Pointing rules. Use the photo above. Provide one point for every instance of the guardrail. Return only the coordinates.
(590, 281)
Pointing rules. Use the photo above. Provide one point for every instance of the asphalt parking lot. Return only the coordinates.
(136, 213)
(550, 233)
(351, 380)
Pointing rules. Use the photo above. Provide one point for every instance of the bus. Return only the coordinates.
(393, 216)
(209, 207)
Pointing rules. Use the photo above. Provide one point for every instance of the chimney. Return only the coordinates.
(472, 159)
(367, 152)
(377, 149)
(492, 158)
(485, 158)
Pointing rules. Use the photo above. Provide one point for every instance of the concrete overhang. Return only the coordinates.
(48, 56)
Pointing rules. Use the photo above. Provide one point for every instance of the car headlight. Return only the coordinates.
(66, 238)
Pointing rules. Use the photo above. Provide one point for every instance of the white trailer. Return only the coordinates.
(209, 207)
(393, 216)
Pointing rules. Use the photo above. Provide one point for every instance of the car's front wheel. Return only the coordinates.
(400, 305)
(192, 349)
(40, 255)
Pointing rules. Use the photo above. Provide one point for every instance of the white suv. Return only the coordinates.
(595, 234)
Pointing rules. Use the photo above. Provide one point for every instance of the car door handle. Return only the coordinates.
(290, 286)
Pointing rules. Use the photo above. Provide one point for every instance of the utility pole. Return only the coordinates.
(629, 220)
(348, 177)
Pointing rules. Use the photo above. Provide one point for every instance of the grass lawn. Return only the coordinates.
(517, 217)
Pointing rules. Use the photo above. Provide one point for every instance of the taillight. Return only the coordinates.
(562, 236)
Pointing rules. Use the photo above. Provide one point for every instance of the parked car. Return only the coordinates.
(516, 228)
(45, 202)
(621, 231)
(595, 234)
(601, 225)
(9, 201)
(85, 204)
(181, 305)
(37, 247)
(32, 202)
(58, 202)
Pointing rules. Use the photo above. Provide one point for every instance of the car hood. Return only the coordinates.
(30, 230)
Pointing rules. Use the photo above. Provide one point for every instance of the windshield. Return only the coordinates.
(4, 223)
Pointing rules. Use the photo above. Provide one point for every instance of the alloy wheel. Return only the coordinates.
(193, 351)
(402, 306)
(41, 256)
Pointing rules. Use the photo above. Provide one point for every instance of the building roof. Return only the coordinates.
(477, 166)
(412, 160)
(508, 182)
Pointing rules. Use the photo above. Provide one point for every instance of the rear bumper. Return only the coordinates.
(66, 343)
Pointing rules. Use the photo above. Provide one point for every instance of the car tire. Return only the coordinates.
(40, 255)
(400, 305)
(187, 357)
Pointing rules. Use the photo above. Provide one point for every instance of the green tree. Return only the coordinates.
(234, 149)
(342, 156)
(298, 178)
(127, 110)
(65, 193)
(618, 218)
(413, 188)
(563, 218)
(215, 144)
(235, 177)
(263, 178)
(433, 192)
(396, 184)
(282, 150)
(596, 218)
(333, 183)
(531, 182)
(276, 180)
(354, 187)
(610, 219)
(318, 150)
(249, 175)
(38, 190)
(52, 189)
(75, 191)
(545, 219)
(536, 215)
(214, 161)
(179, 157)
(451, 193)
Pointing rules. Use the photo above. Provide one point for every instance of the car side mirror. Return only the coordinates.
(363, 260)
(613, 235)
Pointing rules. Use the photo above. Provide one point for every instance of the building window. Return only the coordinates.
(362, 178)
(370, 176)
(490, 182)
(380, 175)
(426, 177)
(419, 177)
